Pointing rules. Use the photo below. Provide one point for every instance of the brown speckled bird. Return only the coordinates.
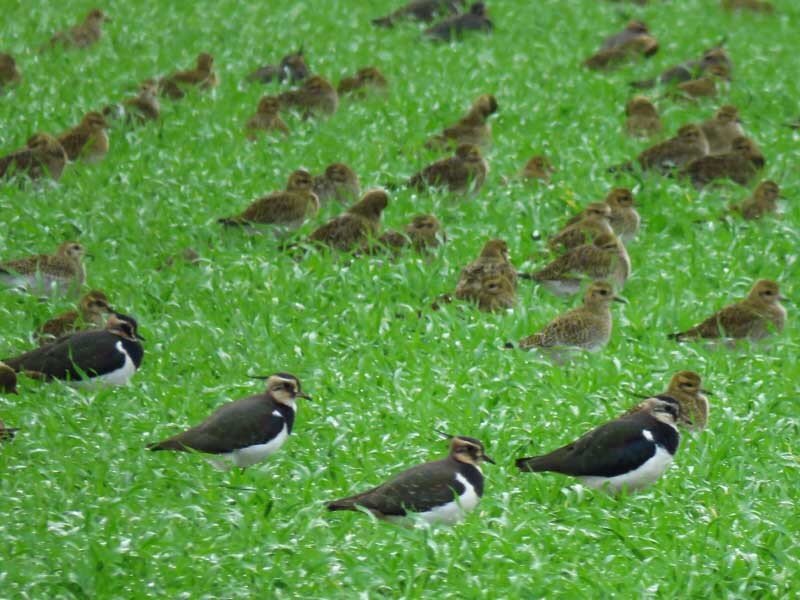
(366, 79)
(93, 311)
(686, 387)
(641, 118)
(634, 40)
(87, 141)
(495, 294)
(740, 165)
(687, 145)
(465, 171)
(492, 262)
(754, 318)
(420, 10)
(724, 127)
(758, 6)
(145, 105)
(267, 118)
(9, 73)
(288, 209)
(353, 229)
(763, 201)
(473, 128)
(292, 67)
(605, 259)
(8, 381)
(702, 87)
(339, 182)
(624, 218)
(537, 167)
(422, 233)
(315, 96)
(690, 69)
(593, 221)
(587, 327)
(203, 77)
(477, 19)
(84, 34)
(47, 273)
(42, 157)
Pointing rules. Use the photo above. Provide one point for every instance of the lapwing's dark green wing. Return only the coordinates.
(418, 489)
(247, 422)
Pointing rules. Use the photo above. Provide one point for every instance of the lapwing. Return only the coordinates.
(630, 452)
(420, 10)
(453, 28)
(753, 318)
(686, 387)
(245, 431)
(108, 356)
(47, 273)
(443, 491)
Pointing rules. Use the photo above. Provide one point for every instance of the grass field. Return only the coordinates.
(86, 512)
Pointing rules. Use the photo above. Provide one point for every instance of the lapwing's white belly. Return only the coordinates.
(454, 511)
(244, 457)
(120, 376)
(637, 479)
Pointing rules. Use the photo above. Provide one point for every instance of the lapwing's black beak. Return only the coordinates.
(304, 395)
(619, 299)
(489, 459)
(139, 336)
(447, 436)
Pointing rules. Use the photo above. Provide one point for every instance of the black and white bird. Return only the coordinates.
(630, 452)
(245, 431)
(443, 491)
(107, 356)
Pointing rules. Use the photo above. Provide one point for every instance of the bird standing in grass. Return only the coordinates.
(420, 10)
(492, 262)
(145, 105)
(687, 145)
(314, 97)
(292, 67)
(92, 313)
(473, 128)
(754, 318)
(83, 34)
(339, 182)
(289, 208)
(87, 141)
(642, 118)
(203, 77)
(604, 259)
(686, 388)
(422, 233)
(8, 379)
(691, 69)
(443, 491)
(463, 172)
(267, 118)
(630, 452)
(476, 19)
(593, 221)
(43, 156)
(538, 167)
(724, 127)
(634, 40)
(47, 273)
(763, 201)
(587, 327)
(9, 73)
(741, 165)
(246, 431)
(365, 80)
(353, 229)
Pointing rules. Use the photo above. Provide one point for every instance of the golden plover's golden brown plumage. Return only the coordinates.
(92, 313)
(288, 209)
(740, 165)
(353, 229)
(634, 40)
(88, 140)
(495, 294)
(593, 221)
(686, 388)
(365, 80)
(8, 381)
(687, 145)
(314, 97)
(47, 273)
(690, 69)
(339, 182)
(641, 118)
(422, 233)
(724, 127)
(624, 218)
(492, 262)
(473, 128)
(763, 201)
(267, 118)
(203, 77)
(83, 34)
(754, 318)
(537, 167)
(9, 73)
(145, 105)
(587, 327)
(42, 156)
(605, 259)
(465, 171)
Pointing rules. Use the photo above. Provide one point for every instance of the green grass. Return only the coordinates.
(86, 512)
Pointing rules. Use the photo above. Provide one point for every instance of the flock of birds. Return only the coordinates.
(97, 345)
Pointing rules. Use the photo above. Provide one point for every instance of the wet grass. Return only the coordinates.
(86, 512)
